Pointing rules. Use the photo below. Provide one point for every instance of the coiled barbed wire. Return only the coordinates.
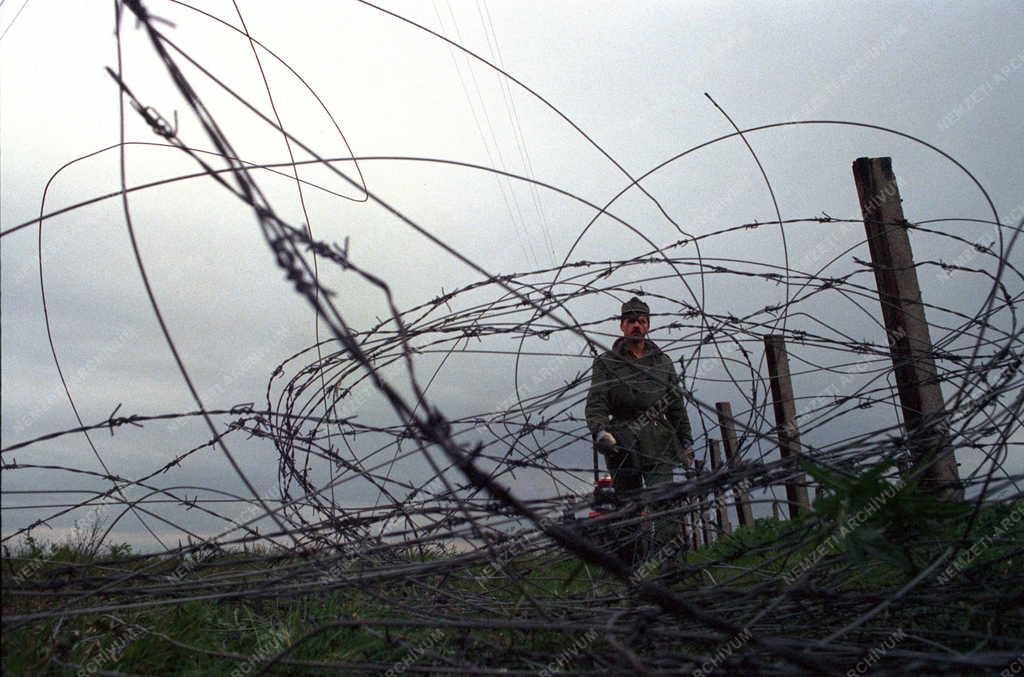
(469, 524)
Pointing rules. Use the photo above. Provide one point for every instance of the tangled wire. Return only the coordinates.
(462, 544)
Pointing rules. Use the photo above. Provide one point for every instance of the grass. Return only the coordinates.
(256, 628)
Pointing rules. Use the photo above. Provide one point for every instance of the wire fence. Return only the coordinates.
(455, 539)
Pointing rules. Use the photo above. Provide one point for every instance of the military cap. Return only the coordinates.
(634, 306)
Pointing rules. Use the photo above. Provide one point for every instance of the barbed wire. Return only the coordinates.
(471, 519)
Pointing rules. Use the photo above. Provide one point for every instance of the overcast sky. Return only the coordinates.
(632, 76)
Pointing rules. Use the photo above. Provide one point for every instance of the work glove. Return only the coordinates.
(605, 441)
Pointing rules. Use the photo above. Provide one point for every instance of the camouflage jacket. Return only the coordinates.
(639, 401)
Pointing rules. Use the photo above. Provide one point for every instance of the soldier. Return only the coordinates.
(636, 411)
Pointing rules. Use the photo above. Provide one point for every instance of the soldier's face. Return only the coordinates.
(635, 326)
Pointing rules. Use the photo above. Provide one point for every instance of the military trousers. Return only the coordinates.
(631, 472)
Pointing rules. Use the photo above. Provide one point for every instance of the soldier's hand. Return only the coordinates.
(605, 440)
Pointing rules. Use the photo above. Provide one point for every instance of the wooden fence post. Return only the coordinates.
(706, 525)
(744, 515)
(724, 527)
(785, 420)
(694, 530)
(906, 327)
